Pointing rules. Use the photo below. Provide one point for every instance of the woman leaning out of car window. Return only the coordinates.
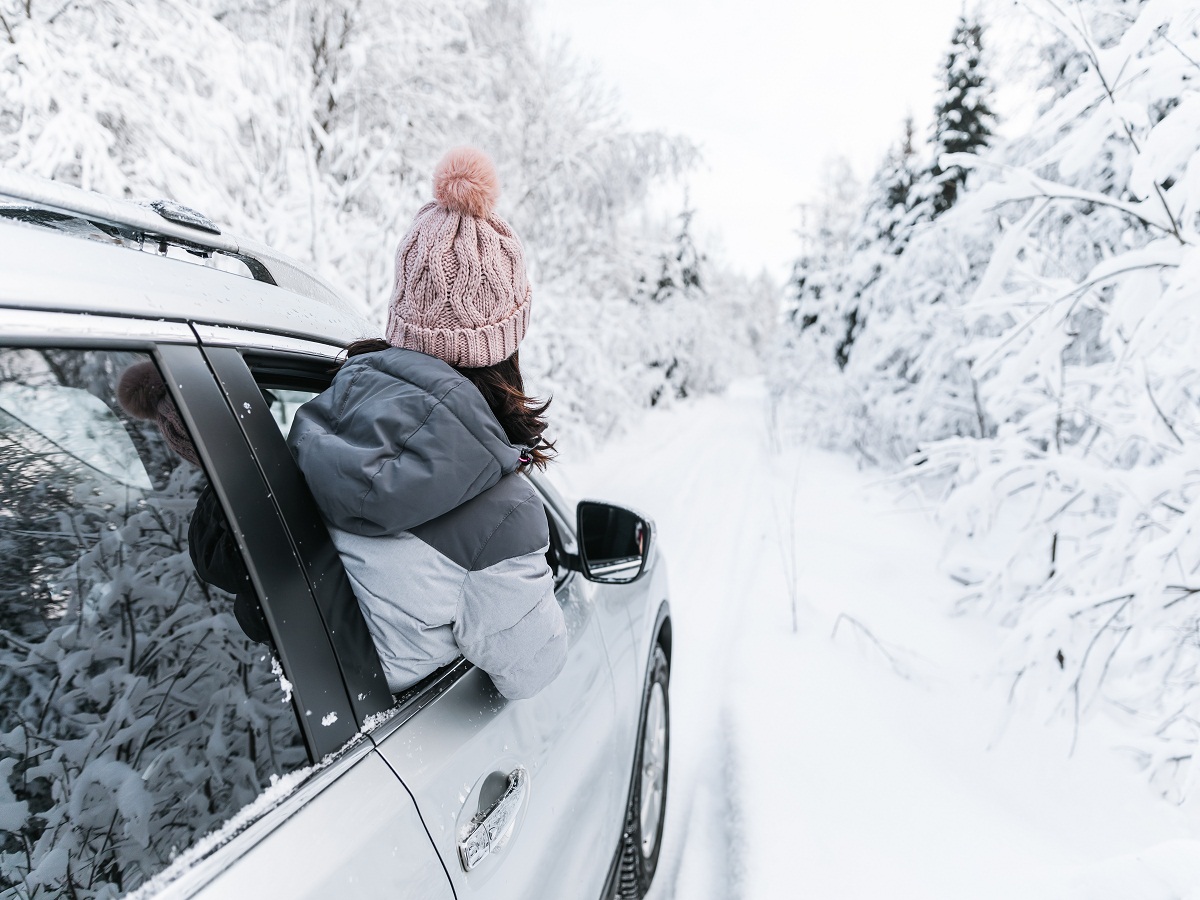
(415, 453)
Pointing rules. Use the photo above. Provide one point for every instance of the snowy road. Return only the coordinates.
(869, 753)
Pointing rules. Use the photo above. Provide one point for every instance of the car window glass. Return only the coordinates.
(136, 715)
(284, 403)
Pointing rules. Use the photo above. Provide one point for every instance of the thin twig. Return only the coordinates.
(1076, 684)
(894, 663)
(1158, 409)
(1184, 593)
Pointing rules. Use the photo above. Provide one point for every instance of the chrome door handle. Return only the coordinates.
(491, 830)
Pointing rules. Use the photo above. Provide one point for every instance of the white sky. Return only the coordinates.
(769, 89)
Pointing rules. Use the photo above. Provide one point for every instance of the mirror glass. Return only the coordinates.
(613, 542)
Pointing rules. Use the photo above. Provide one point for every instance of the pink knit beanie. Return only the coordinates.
(461, 292)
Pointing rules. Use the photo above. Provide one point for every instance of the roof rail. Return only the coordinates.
(164, 222)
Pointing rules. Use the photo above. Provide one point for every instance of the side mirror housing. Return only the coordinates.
(614, 542)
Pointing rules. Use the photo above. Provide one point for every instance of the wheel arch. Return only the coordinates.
(662, 630)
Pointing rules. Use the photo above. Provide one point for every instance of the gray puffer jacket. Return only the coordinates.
(444, 544)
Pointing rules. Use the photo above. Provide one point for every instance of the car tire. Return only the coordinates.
(641, 839)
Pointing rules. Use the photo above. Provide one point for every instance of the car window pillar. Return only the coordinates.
(354, 649)
(324, 710)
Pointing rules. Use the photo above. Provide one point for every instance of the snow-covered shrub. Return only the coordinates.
(1078, 516)
(1050, 320)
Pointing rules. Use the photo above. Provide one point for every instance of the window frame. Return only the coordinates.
(238, 357)
(358, 665)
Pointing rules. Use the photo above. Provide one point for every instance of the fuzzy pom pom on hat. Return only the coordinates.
(461, 291)
(143, 394)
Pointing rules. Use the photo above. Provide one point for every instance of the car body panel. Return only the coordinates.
(49, 271)
(562, 737)
(140, 218)
(350, 831)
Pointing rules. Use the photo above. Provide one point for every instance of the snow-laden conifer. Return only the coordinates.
(1031, 353)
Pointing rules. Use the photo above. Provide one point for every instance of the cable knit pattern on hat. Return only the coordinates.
(461, 291)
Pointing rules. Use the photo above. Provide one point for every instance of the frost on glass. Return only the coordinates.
(135, 717)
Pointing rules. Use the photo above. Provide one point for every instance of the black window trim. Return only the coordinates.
(324, 712)
(237, 369)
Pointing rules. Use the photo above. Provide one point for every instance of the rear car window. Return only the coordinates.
(136, 715)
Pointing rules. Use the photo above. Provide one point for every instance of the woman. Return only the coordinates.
(414, 454)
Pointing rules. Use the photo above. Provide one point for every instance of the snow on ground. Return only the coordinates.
(869, 753)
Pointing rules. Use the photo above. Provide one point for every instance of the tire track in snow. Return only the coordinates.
(702, 473)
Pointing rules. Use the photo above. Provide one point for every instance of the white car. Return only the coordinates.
(148, 747)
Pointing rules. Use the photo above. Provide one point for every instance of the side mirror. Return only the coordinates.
(614, 543)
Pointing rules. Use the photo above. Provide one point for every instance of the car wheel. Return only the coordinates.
(642, 835)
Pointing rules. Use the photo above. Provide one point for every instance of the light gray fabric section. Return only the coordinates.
(398, 439)
(510, 625)
(423, 610)
(408, 593)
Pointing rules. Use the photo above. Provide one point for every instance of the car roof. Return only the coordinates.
(46, 268)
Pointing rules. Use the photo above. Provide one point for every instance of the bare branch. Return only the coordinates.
(1075, 685)
(895, 664)
(1161, 414)
(1184, 593)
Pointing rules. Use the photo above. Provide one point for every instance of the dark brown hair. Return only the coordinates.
(521, 417)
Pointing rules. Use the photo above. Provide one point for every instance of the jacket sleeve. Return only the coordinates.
(508, 620)
(218, 562)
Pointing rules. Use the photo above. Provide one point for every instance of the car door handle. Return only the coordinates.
(492, 829)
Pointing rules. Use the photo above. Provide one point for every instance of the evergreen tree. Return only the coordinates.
(963, 115)
(892, 195)
(677, 301)
(827, 232)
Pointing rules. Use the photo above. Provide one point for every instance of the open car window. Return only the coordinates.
(562, 547)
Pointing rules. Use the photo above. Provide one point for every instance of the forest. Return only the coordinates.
(1000, 325)
(1006, 323)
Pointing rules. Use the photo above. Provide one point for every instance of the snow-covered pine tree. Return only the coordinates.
(828, 229)
(892, 211)
(963, 118)
(1046, 326)
(852, 239)
(675, 306)
(892, 208)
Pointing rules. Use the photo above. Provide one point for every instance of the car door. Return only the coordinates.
(548, 763)
(543, 767)
(147, 744)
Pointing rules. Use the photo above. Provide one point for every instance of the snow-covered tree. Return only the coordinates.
(675, 304)
(1031, 353)
(963, 119)
(315, 127)
(828, 228)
